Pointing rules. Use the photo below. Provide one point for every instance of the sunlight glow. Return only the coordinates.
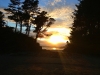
(56, 39)
(54, 48)
(59, 37)
(41, 39)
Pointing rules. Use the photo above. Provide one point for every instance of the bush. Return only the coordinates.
(86, 48)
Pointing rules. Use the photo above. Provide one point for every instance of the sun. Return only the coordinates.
(54, 48)
(56, 39)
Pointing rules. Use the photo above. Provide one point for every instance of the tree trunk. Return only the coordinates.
(16, 27)
(37, 36)
(29, 29)
(21, 27)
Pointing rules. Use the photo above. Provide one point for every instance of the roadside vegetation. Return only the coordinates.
(85, 34)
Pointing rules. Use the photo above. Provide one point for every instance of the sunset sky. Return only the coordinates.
(60, 10)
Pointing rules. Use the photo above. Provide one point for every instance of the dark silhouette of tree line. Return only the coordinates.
(85, 34)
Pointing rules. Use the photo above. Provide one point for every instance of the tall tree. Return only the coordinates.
(30, 7)
(13, 10)
(86, 26)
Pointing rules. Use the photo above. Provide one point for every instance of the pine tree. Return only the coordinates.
(13, 10)
(16, 13)
(86, 25)
(30, 8)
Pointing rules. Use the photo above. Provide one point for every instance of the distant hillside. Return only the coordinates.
(16, 42)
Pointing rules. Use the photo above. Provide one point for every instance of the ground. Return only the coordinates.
(49, 63)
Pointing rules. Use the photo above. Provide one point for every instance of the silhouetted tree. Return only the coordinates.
(86, 26)
(30, 7)
(2, 23)
(42, 22)
(16, 12)
(13, 10)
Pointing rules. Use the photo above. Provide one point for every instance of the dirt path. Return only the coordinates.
(49, 63)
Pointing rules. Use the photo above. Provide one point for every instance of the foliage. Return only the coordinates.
(86, 21)
(30, 8)
(42, 21)
(15, 12)
(86, 26)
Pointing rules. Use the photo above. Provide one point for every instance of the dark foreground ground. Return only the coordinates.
(48, 63)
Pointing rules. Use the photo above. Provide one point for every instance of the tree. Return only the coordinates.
(16, 13)
(13, 10)
(30, 7)
(86, 26)
(42, 22)
(2, 23)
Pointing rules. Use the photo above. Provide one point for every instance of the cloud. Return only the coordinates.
(2, 9)
(60, 11)
(62, 16)
(5, 15)
(53, 2)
